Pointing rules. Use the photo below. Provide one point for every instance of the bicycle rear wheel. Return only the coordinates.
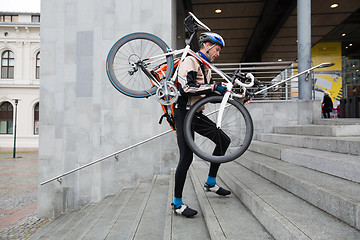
(128, 64)
(218, 145)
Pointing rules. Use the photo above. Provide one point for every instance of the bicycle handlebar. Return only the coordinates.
(246, 85)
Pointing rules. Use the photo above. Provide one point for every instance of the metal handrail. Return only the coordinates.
(255, 63)
(307, 71)
(104, 158)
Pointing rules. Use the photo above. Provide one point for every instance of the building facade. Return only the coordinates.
(83, 117)
(20, 78)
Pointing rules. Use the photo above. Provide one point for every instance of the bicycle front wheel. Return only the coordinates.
(130, 61)
(213, 144)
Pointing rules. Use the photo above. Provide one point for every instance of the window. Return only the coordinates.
(37, 70)
(36, 119)
(8, 18)
(7, 65)
(35, 18)
(6, 118)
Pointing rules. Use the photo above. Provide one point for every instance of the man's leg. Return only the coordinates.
(185, 160)
(186, 155)
(207, 128)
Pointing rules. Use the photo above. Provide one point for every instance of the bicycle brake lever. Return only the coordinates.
(250, 94)
(258, 83)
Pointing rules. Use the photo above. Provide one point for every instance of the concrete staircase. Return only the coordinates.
(301, 182)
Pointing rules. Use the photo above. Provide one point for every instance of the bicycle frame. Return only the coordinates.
(229, 81)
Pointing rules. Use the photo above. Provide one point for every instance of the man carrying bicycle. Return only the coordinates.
(194, 82)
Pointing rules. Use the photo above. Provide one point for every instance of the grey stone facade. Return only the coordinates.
(82, 116)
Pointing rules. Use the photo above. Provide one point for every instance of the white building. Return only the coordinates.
(20, 68)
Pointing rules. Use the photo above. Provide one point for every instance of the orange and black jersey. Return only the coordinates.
(194, 82)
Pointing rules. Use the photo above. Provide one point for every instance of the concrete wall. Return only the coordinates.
(82, 116)
(269, 114)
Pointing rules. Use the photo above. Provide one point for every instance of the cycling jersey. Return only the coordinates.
(194, 82)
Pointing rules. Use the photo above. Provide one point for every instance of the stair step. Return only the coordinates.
(220, 212)
(76, 221)
(348, 145)
(152, 219)
(338, 197)
(337, 121)
(127, 220)
(337, 164)
(189, 228)
(169, 213)
(47, 230)
(81, 226)
(103, 224)
(320, 130)
(284, 215)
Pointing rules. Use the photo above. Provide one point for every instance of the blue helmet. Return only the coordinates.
(211, 37)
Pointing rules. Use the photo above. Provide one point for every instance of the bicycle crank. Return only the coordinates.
(167, 93)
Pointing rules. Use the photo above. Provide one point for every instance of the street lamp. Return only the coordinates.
(16, 103)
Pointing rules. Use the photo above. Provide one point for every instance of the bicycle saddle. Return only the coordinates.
(192, 22)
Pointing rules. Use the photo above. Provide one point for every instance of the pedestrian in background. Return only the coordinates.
(327, 105)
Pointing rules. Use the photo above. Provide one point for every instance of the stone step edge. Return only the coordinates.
(101, 206)
(327, 130)
(141, 210)
(76, 219)
(121, 209)
(270, 218)
(169, 212)
(337, 121)
(346, 205)
(303, 142)
(50, 226)
(343, 165)
(212, 223)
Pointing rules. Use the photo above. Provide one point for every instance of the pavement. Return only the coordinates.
(18, 195)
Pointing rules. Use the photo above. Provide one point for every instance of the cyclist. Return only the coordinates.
(194, 83)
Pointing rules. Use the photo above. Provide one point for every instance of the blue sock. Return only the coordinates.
(178, 202)
(211, 181)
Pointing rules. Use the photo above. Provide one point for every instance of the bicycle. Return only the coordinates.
(130, 62)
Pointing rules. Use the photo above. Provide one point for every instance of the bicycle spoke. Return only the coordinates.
(127, 63)
(223, 144)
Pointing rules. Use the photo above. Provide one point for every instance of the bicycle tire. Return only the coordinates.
(130, 49)
(237, 126)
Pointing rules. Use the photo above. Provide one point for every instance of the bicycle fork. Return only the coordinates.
(222, 107)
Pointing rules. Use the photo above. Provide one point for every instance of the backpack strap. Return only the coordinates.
(202, 67)
(169, 115)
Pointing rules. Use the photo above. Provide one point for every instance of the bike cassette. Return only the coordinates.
(167, 93)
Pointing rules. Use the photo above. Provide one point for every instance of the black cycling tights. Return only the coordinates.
(186, 155)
